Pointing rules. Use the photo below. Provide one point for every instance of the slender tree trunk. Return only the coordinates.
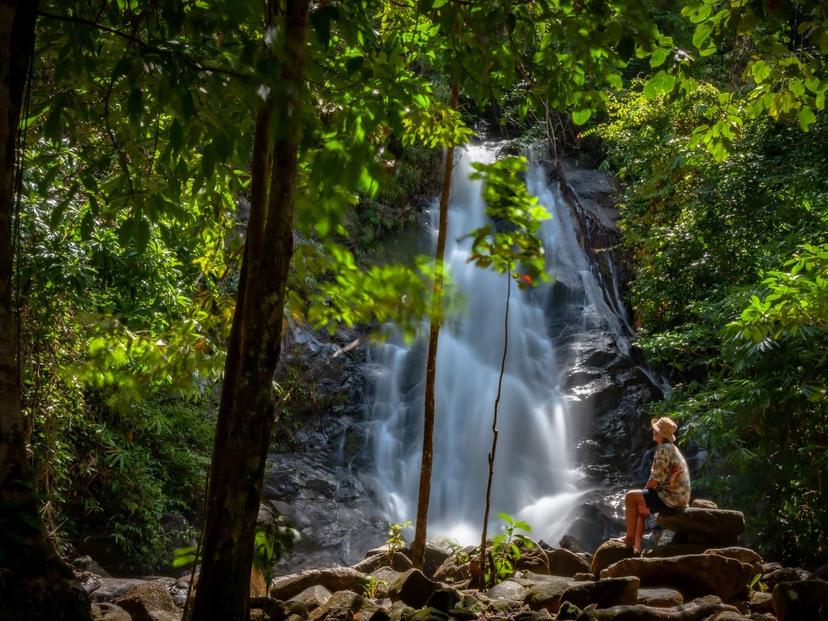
(34, 582)
(246, 411)
(482, 581)
(423, 497)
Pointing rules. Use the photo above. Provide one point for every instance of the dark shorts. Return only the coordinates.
(653, 501)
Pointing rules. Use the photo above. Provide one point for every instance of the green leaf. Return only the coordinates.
(658, 57)
(806, 118)
(701, 34)
(760, 71)
(579, 117)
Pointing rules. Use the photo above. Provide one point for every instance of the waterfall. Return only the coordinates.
(534, 477)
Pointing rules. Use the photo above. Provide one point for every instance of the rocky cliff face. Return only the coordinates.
(318, 474)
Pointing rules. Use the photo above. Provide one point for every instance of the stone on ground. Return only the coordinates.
(604, 593)
(797, 601)
(412, 588)
(334, 579)
(693, 575)
(150, 601)
(659, 597)
(608, 553)
(696, 525)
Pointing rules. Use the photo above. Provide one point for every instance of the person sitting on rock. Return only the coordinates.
(668, 486)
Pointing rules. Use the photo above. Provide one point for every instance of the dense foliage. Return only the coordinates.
(730, 295)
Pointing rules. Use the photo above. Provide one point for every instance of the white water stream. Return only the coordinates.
(534, 477)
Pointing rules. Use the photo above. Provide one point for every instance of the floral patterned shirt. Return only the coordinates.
(670, 471)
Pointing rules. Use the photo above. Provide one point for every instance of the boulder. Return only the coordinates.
(429, 614)
(396, 561)
(604, 593)
(534, 560)
(608, 553)
(345, 606)
(107, 589)
(150, 601)
(444, 599)
(106, 611)
(563, 562)
(533, 615)
(456, 568)
(659, 597)
(675, 549)
(697, 610)
(743, 555)
(508, 590)
(334, 579)
(412, 588)
(435, 554)
(797, 601)
(760, 602)
(87, 563)
(568, 542)
(696, 525)
(313, 597)
(546, 594)
(785, 574)
(693, 575)
(380, 581)
(269, 608)
(703, 503)
(727, 615)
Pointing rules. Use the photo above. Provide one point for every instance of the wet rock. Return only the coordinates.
(562, 562)
(609, 553)
(717, 526)
(412, 588)
(568, 542)
(150, 601)
(660, 597)
(805, 599)
(604, 593)
(334, 579)
(693, 575)
(106, 611)
(344, 606)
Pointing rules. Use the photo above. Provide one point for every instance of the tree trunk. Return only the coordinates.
(418, 545)
(34, 583)
(246, 411)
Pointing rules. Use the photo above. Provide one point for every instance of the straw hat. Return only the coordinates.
(664, 426)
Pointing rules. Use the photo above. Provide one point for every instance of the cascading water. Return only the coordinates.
(534, 478)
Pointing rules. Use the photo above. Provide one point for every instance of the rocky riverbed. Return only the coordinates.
(691, 581)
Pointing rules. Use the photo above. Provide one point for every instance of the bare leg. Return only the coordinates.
(639, 529)
(636, 511)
